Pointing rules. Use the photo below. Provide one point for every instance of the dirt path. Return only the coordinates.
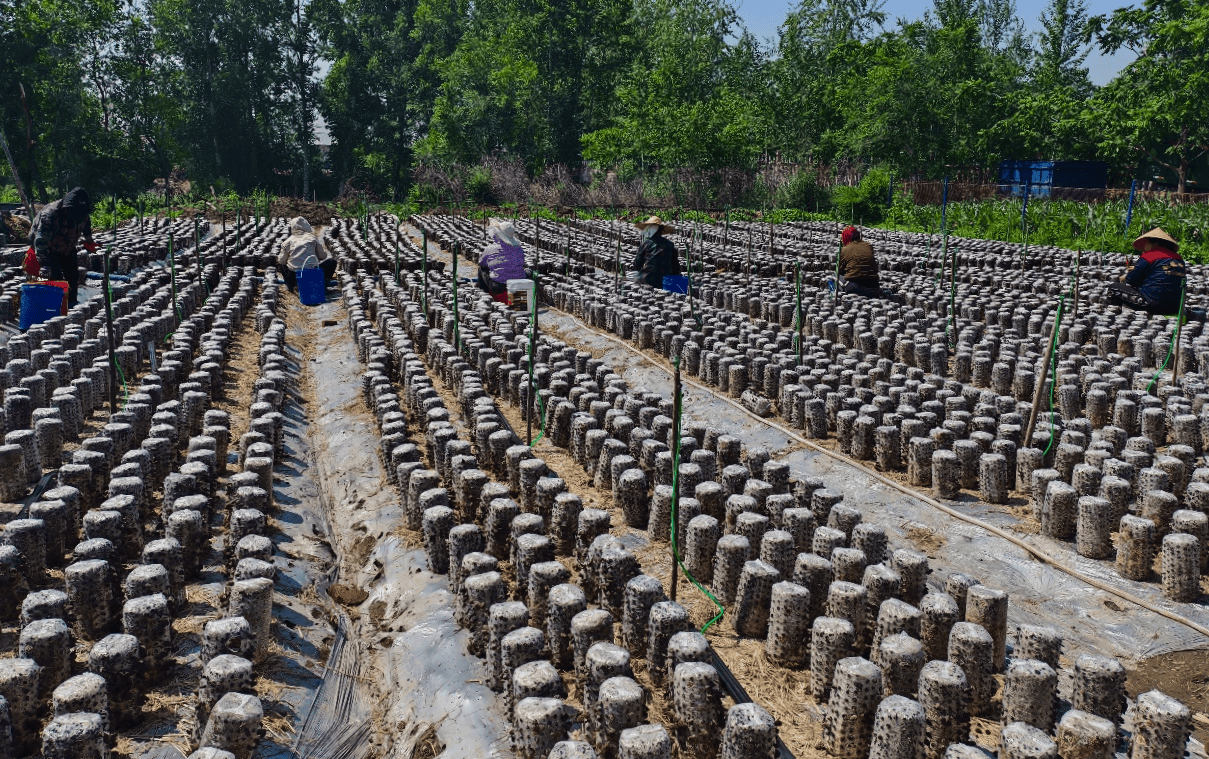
(400, 676)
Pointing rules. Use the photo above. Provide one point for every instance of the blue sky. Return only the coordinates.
(763, 16)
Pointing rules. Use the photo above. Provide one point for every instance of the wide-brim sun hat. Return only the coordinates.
(1158, 235)
(505, 232)
(664, 229)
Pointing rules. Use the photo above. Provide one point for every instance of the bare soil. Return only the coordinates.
(346, 595)
(1183, 675)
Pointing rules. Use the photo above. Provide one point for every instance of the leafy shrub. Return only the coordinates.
(865, 203)
(478, 185)
(804, 193)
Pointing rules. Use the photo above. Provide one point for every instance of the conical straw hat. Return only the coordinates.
(1157, 234)
(663, 228)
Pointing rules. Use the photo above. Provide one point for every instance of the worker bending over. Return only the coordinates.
(502, 260)
(858, 267)
(656, 257)
(302, 250)
(56, 233)
(1156, 282)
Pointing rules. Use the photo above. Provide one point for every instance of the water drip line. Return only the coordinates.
(1035, 552)
(1175, 337)
(676, 560)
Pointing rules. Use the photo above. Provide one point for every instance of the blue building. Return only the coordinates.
(1048, 178)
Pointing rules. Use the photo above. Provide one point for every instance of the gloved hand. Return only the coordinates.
(91, 247)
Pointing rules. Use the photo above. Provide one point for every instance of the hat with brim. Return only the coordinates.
(664, 229)
(1157, 235)
(505, 232)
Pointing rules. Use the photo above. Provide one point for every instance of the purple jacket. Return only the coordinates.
(503, 261)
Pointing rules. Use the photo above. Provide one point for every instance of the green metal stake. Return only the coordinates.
(944, 255)
(424, 274)
(113, 378)
(457, 252)
(617, 265)
(835, 294)
(797, 277)
(172, 267)
(747, 266)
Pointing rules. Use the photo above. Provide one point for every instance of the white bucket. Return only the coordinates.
(520, 293)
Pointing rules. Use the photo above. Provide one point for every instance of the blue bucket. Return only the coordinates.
(677, 283)
(40, 303)
(311, 287)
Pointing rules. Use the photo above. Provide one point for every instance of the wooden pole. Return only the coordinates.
(532, 356)
(1039, 389)
(676, 413)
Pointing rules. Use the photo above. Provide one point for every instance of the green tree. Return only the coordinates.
(368, 97)
(804, 75)
(1063, 47)
(1154, 108)
(43, 49)
(684, 101)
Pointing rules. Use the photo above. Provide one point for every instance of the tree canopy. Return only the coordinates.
(237, 94)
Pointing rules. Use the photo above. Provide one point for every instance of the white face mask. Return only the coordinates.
(650, 232)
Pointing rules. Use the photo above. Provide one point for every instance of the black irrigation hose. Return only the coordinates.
(732, 686)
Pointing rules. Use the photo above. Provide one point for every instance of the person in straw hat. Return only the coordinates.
(502, 260)
(656, 257)
(1156, 281)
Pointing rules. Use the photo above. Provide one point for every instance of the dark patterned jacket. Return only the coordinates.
(54, 233)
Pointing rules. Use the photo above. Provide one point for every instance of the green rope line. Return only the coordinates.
(1179, 321)
(1053, 385)
(125, 387)
(675, 504)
